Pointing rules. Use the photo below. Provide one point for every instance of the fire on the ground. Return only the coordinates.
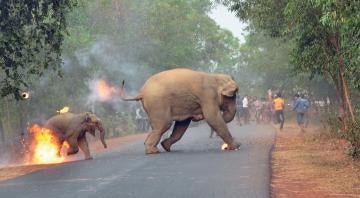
(44, 147)
(225, 146)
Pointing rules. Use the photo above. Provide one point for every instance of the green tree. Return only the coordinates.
(31, 35)
(324, 33)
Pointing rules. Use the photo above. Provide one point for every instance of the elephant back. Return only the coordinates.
(63, 121)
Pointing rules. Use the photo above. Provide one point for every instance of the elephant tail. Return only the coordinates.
(126, 98)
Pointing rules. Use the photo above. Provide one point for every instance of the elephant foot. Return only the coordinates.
(166, 144)
(72, 151)
(234, 146)
(151, 150)
(89, 158)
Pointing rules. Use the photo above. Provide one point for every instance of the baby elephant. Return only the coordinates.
(71, 127)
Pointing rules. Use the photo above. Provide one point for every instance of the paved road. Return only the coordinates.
(196, 168)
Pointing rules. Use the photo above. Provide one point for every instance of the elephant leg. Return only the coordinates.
(178, 131)
(59, 139)
(83, 144)
(73, 146)
(61, 142)
(215, 120)
(154, 137)
(160, 122)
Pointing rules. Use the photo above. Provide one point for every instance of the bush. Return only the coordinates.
(332, 126)
(352, 135)
(333, 129)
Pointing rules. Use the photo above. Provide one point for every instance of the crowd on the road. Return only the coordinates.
(253, 109)
(270, 108)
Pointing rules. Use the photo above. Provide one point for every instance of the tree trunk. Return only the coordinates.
(2, 135)
(347, 96)
(339, 91)
(345, 88)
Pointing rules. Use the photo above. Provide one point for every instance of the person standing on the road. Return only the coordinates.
(245, 105)
(266, 110)
(138, 118)
(279, 105)
(258, 108)
(239, 112)
(300, 106)
(328, 103)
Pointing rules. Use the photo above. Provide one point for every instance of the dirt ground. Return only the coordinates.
(95, 147)
(306, 164)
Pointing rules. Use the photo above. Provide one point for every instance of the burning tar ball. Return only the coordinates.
(225, 147)
(25, 95)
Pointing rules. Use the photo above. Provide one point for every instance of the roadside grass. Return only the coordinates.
(312, 164)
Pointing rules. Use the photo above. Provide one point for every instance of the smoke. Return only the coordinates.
(109, 64)
(108, 56)
(112, 64)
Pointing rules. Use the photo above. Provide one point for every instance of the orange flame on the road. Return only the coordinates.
(104, 91)
(44, 146)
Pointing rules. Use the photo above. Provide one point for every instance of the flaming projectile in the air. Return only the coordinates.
(25, 95)
(64, 110)
(105, 92)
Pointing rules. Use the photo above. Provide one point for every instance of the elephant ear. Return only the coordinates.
(229, 87)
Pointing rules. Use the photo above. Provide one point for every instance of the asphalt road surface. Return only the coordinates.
(195, 168)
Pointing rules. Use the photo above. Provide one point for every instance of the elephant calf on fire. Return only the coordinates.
(72, 127)
(184, 95)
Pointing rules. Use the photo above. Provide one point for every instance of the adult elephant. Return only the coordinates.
(183, 95)
(72, 127)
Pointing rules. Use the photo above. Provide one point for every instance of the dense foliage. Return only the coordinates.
(324, 36)
(31, 35)
(324, 33)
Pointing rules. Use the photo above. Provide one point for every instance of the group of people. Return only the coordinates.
(251, 108)
(271, 109)
(300, 106)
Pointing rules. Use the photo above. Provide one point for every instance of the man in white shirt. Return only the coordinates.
(245, 104)
(138, 119)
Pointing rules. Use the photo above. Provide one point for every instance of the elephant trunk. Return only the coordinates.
(229, 109)
(229, 115)
(102, 134)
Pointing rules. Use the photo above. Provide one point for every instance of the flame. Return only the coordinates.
(66, 145)
(224, 146)
(44, 146)
(64, 110)
(104, 91)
